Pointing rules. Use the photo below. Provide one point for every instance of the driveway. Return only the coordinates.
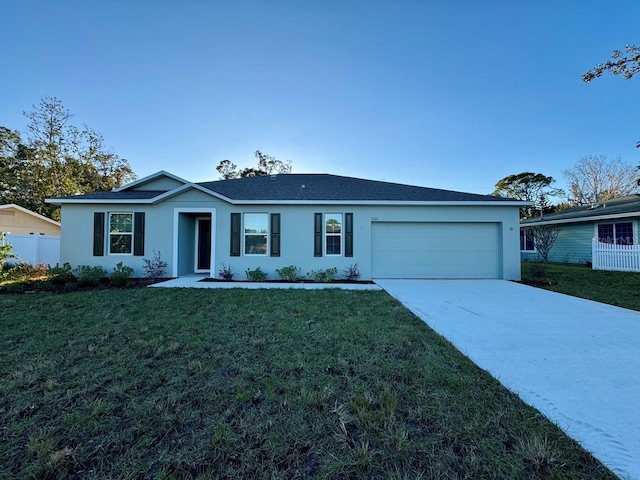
(575, 360)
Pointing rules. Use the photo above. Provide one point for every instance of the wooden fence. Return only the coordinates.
(624, 258)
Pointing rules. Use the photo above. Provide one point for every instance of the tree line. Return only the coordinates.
(55, 158)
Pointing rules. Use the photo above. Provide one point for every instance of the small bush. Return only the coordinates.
(256, 275)
(155, 267)
(352, 272)
(538, 271)
(120, 276)
(61, 274)
(323, 276)
(226, 273)
(289, 274)
(89, 276)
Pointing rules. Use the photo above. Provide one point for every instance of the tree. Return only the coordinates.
(595, 179)
(529, 187)
(619, 64)
(543, 237)
(55, 159)
(267, 165)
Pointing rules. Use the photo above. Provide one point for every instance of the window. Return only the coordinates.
(616, 233)
(256, 230)
(526, 241)
(120, 233)
(333, 233)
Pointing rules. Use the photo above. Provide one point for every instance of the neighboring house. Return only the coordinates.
(17, 220)
(34, 238)
(613, 221)
(311, 221)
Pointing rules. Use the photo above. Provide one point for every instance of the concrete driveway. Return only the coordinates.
(575, 360)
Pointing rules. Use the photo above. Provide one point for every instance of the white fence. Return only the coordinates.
(35, 248)
(624, 258)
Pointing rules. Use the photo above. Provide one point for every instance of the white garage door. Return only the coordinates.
(435, 250)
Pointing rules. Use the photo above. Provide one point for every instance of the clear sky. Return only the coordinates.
(446, 94)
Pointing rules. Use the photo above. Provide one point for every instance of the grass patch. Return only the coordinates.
(616, 288)
(188, 383)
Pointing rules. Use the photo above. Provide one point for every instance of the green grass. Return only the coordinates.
(616, 288)
(180, 383)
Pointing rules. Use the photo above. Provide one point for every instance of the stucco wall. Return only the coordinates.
(296, 237)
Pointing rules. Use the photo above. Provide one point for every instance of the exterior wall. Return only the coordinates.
(172, 219)
(16, 221)
(573, 245)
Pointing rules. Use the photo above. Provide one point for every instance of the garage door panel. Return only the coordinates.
(435, 250)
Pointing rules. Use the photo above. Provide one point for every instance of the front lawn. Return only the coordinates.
(186, 383)
(616, 288)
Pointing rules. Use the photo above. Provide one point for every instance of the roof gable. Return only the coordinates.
(157, 181)
(10, 206)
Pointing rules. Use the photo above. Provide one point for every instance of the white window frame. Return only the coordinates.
(245, 234)
(327, 234)
(613, 222)
(110, 233)
(533, 250)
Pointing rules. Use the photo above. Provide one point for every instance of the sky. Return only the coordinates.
(452, 95)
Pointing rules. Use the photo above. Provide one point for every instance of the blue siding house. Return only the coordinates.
(613, 221)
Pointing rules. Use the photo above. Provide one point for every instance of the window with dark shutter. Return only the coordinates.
(98, 234)
(138, 234)
(317, 234)
(235, 234)
(348, 234)
(275, 235)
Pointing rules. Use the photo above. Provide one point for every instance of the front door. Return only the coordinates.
(203, 244)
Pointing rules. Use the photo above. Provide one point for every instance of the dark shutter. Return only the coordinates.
(138, 234)
(235, 235)
(317, 234)
(348, 234)
(98, 234)
(275, 234)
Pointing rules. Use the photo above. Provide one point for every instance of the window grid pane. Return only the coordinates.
(333, 244)
(120, 244)
(605, 233)
(120, 233)
(256, 229)
(624, 233)
(121, 223)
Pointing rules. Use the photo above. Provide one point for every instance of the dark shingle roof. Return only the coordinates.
(123, 195)
(618, 206)
(323, 187)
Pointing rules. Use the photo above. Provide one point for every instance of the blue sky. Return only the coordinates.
(452, 95)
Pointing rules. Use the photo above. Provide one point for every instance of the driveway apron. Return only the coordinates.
(575, 360)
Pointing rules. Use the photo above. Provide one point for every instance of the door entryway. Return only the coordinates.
(203, 244)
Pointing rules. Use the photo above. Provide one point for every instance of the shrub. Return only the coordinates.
(323, 276)
(120, 276)
(538, 271)
(61, 274)
(5, 252)
(155, 267)
(290, 273)
(256, 275)
(226, 273)
(352, 272)
(89, 276)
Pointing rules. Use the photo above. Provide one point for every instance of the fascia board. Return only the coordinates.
(598, 218)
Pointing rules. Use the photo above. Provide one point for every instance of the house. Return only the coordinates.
(311, 221)
(18, 220)
(612, 221)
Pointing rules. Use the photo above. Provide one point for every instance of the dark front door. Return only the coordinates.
(203, 244)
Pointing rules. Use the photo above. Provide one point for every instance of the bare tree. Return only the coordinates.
(595, 179)
(543, 237)
(266, 165)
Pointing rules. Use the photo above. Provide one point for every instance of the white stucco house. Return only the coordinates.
(311, 221)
